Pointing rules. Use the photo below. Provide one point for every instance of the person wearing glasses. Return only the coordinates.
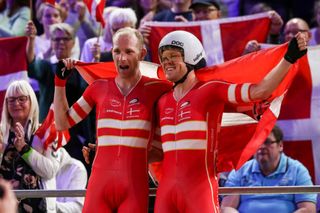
(62, 40)
(48, 15)
(25, 163)
(270, 167)
(189, 120)
(292, 27)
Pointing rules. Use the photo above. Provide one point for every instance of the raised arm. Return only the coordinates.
(60, 102)
(30, 32)
(296, 49)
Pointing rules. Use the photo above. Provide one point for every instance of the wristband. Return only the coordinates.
(59, 82)
(25, 149)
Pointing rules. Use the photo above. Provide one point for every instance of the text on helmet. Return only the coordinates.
(178, 43)
(197, 57)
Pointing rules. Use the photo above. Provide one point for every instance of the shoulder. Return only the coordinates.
(78, 164)
(295, 163)
(156, 84)
(247, 167)
(154, 81)
(160, 15)
(102, 81)
(100, 85)
(245, 170)
(24, 11)
(88, 44)
(243, 173)
(213, 83)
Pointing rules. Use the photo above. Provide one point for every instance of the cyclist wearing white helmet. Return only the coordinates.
(188, 46)
(190, 117)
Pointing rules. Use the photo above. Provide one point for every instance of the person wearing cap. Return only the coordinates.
(205, 10)
(179, 11)
(189, 118)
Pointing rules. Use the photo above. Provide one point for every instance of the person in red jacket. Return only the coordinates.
(124, 113)
(190, 118)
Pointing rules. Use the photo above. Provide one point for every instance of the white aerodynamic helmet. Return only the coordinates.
(190, 45)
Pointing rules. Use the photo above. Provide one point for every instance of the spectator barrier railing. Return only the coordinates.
(152, 192)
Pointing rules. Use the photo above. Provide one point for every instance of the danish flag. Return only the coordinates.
(12, 50)
(49, 135)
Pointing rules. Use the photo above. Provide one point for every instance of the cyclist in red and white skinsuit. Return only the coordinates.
(190, 118)
(124, 113)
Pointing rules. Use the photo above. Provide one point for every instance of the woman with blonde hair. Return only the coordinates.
(25, 162)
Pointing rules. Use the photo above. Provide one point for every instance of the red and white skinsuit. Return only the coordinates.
(119, 180)
(189, 129)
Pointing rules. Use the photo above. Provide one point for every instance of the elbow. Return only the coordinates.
(260, 94)
(48, 175)
(51, 173)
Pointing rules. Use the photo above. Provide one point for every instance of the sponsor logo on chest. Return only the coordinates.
(184, 111)
(133, 110)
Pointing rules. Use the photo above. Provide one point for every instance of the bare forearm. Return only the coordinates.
(230, 204)
(304, 210)
(297, 48)
(30, 50)
(61, 108)
(30, 32)
(228, 209)
(270, 82)
(304, 207)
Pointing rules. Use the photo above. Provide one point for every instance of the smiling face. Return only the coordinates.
(18, 106)
(127, 52)
(173, 64)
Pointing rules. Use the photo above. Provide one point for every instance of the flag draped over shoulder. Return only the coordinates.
(48, 133)
(13, 63)
(93, 71)
(223, 39)
(96, 8)
(240, 136)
